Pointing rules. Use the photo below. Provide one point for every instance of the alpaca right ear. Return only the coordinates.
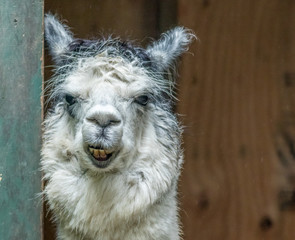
(57, 36)
(169, 47)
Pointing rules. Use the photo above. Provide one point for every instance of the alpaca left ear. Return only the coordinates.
(57, 36)
(169, 47)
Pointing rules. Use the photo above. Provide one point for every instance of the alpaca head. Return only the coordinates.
(108, 95)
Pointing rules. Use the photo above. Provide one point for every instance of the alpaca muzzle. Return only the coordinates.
(102, 133)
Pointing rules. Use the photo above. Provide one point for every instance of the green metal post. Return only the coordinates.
(20, 118)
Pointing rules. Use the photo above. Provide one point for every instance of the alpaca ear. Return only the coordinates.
(169, 47)
(57, 36)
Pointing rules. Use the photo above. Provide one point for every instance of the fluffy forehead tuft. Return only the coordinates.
(106, 66)
(81, 49)
(111, 47)
(116, 71)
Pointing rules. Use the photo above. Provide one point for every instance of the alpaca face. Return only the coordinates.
(110, 96)
(107, 101)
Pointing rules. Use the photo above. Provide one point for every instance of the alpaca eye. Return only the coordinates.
(142, 100)
(70, 99)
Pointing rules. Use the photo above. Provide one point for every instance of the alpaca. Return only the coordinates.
(111, 153)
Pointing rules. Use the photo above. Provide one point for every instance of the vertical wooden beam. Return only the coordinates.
(20, 118)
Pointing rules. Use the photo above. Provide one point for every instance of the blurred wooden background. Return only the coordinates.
(237, 96)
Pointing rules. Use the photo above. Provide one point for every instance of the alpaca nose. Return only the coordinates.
(104, 116)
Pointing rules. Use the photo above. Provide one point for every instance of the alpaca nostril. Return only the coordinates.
(108, 123)
(114, 122)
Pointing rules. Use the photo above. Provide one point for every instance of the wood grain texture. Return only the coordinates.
(20, 118)
(237, 95)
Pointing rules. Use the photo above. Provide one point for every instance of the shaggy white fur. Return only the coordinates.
(111, 151)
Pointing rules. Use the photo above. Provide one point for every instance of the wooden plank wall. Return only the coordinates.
(20, 118)
(237, 96)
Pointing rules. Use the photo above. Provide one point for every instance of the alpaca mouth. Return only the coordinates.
(101, 155)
